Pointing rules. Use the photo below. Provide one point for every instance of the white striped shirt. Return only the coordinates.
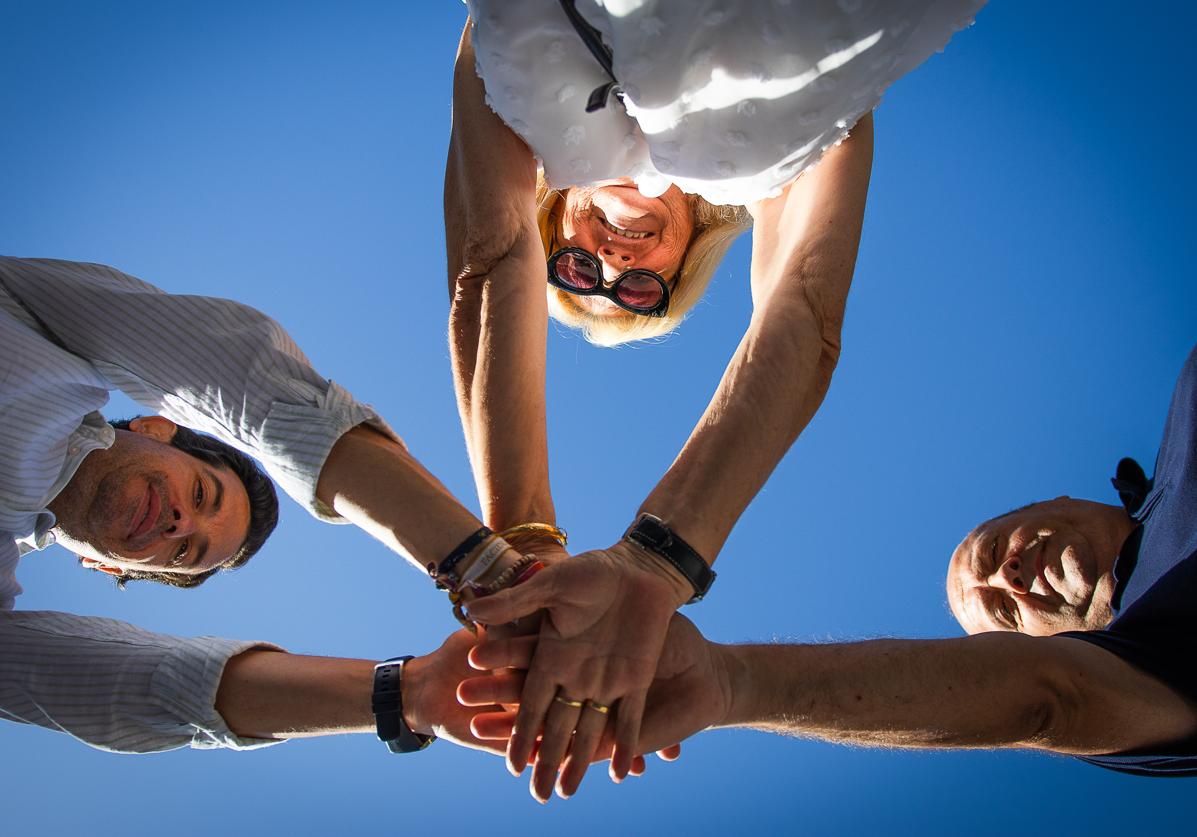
(213, 365)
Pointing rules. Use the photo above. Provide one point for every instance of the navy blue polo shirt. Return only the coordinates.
(1155, 596)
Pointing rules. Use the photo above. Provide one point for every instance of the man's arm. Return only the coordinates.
(112, 685)
(371, 480)
(266, 694)
(118, 687)
(989, 690)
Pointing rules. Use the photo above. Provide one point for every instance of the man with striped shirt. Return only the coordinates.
(153, 499)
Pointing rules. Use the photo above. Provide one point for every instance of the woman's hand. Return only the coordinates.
(606, 613)
(690, 692)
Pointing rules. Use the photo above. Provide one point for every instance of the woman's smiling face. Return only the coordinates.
(626, 230)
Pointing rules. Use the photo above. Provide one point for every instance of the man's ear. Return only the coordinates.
(156, 427)
(93, 564)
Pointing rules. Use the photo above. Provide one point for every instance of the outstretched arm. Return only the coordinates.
(498, 316)
(990, 690)
(804, 245)
(267, 694)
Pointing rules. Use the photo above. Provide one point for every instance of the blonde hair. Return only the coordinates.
(715, 228)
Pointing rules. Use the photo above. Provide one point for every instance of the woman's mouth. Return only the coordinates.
(621, 231)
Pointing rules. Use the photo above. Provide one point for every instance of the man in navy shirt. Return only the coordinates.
(1083, 641)
(1123, 578)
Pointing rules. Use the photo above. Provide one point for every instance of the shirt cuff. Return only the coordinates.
(185, 685)
(297, 438)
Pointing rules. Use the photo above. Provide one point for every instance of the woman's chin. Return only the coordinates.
(598, 306)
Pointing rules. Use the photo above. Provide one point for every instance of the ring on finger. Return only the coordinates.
(597, 707)
(570, 702)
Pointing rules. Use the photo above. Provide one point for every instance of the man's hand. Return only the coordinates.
(605, 617)
(691, 692)
(430, 694)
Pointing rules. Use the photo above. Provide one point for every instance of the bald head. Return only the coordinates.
(1040, 570)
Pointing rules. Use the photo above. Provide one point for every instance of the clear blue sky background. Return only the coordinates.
(1023, 301)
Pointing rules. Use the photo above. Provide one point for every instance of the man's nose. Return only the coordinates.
(1012, 575)
(182, 524)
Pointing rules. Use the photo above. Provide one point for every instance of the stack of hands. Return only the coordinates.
(588, 661)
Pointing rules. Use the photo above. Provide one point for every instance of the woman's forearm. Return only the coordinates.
(804, 254)
(497, 333)
(770, 390)
(498, 316)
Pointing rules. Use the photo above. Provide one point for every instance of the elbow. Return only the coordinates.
(1051, 716)
(480, 254)
(825, 318)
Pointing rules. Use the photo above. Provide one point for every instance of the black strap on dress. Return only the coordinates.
(601, 52)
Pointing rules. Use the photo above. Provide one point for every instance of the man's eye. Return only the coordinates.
(180, 555)
(1010, 614)
(199, 493)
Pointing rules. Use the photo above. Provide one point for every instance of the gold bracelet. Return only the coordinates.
(537, 528)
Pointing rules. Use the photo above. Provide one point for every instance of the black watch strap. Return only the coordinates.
(388, 709)
(651, 532)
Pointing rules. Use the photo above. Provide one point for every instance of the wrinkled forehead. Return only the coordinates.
(961, 576)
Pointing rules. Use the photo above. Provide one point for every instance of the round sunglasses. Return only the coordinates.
(640, 291)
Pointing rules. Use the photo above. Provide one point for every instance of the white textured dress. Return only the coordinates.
(727, 99)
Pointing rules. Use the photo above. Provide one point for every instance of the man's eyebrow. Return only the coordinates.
(198, 554)
(218, 497)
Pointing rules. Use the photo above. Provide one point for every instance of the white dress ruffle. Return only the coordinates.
(727, 99)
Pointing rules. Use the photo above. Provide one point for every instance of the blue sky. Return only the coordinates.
(1022, 304)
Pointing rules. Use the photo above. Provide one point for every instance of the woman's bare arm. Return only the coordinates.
(803, 256)
(498, 319)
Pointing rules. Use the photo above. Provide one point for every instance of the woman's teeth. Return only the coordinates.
(621, 231)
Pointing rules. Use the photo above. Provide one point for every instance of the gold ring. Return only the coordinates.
(597, 707)
(572, 704)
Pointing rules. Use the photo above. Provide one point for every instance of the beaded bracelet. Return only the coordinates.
(513, 576)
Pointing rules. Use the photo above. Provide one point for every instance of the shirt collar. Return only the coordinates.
(1135, 491)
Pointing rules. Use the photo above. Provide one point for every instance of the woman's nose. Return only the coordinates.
(615, 259)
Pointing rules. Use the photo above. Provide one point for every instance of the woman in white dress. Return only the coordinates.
(726, 108)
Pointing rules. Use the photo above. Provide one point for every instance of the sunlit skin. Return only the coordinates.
(625, 230)
(144, 504)
(1040, 570)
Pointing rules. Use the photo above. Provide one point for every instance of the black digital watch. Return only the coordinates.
(387, 703)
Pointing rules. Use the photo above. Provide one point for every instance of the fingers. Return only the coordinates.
(671, 753)
(582, 749)
(493, 726)
(627, 731)
(514, 602)
(491, 654)
(491, 688)
(559, 727)
(535, 701)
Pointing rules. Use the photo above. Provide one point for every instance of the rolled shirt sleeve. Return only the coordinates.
(210, 364)
(114, 686)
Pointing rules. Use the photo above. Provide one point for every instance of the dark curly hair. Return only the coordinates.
(263, 503)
